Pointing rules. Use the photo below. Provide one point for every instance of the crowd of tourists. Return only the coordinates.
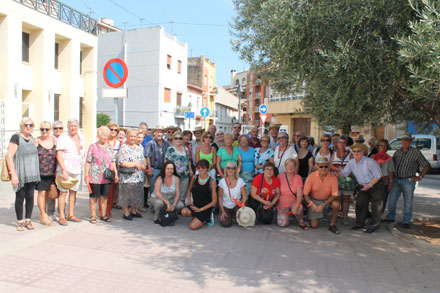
(244, 178)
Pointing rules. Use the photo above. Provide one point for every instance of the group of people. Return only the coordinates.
(242, 176)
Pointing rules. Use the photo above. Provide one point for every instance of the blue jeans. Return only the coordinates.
(405, 186)
(152, 179)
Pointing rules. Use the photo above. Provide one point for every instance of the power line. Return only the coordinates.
(128, 11)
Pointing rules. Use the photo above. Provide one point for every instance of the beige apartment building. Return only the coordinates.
(48, 65)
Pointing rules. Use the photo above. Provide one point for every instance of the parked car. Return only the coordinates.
(429, 145)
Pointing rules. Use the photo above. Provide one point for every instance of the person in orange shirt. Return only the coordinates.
(321, 190)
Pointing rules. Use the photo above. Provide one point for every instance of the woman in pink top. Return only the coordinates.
(291, 196)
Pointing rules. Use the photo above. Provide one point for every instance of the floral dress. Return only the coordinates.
(180, 159)
(129, 154)
(99, 159)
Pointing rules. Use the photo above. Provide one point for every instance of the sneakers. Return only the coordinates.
(128, 218)
(387, 221)
(406, 226)
(210, 222)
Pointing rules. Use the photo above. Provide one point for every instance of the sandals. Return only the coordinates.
(62, 222)
(334, 229)
(20, 226)
(28, 225)
(73, 219)
(92, 220)
(105, 219)
(45, 221)
(303, 226)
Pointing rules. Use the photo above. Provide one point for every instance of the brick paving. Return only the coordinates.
(140, 256)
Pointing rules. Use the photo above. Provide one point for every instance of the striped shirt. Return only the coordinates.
(407, 164)
(156, 153)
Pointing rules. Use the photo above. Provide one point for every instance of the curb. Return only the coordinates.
(418, 242)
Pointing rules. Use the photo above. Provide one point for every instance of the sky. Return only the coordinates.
(203, 24)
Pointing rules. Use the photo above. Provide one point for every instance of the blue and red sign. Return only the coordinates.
(115, 72)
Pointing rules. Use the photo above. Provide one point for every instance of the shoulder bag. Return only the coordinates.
(265, 216)
(5, 171)
(109, 174)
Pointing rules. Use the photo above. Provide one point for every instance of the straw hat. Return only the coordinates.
(246, 217)
(360, 146)
(172, 127)
(277, 126)
(159, 127)
(198, 129)
(66, 184)
(406, 136)
(322, 161)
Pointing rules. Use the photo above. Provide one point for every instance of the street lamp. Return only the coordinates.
(239, 92)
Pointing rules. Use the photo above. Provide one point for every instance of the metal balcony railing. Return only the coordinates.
(64, 13)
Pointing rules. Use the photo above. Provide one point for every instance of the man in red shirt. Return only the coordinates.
(321, 190)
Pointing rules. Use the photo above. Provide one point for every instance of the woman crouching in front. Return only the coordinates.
(204, 197)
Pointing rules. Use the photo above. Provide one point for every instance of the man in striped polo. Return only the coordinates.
(407, 162)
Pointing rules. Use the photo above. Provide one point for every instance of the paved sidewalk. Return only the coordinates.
(126, 256)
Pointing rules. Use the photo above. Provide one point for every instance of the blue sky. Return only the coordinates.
(210, 37)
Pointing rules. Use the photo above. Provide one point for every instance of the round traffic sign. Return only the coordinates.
(263, 109)
(115, 72)
(204, 112)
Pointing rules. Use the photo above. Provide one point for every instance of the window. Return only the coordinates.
(56, 107)
(24, 47)
(80, 61)
(167, 95)
(423, 143)
(237, 82)
(205, 80)
(179, 66)
(168, 61)
(243, 81)
(179, 99)
(56, 55)
(81, 112)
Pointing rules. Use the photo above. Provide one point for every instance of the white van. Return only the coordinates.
(429, 145)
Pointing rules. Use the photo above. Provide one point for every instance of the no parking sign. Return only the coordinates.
(115, 72)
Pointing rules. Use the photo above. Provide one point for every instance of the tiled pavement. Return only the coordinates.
(140, 256)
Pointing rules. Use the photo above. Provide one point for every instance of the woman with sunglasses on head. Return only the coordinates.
(204, 197)
(283, 152)
(306, 160)
(114, 188)
(247, 161)
(179, 155)
(227, 154)
(232, 190)
(47, 156)
(207, 152)
(324, 150)
(263, 154)
(23, 166)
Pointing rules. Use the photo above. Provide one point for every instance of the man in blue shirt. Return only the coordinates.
(368, 175)
(143, 126)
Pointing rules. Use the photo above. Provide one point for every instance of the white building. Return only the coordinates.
(226, 109)
(47, 65)
(157, 76)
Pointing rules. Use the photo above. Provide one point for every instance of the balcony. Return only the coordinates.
(179, 111)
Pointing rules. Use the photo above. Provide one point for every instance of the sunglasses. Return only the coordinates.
(178, 138)
(325, 140)
(114, 129)
(44, 129)
(171, 132)
(28, 125)
(264, 140)
(210, 137)
(231, 168)
(320, 167)
(235, 127)
(57, 128)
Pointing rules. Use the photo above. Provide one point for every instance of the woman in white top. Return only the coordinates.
(324, 149)
(231, 193)
(283, 152)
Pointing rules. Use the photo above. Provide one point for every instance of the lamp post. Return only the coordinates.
(239, 92)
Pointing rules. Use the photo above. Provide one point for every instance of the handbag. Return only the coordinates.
(53, 192)
(5, 171)
(167, 218)
(109, 174)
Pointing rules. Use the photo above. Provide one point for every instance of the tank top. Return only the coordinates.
(169, 193)
(318, 155)
(26, 162)
(47, 158)
(303, 168)
(209, 157)
(200, 193)
(341, 161)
